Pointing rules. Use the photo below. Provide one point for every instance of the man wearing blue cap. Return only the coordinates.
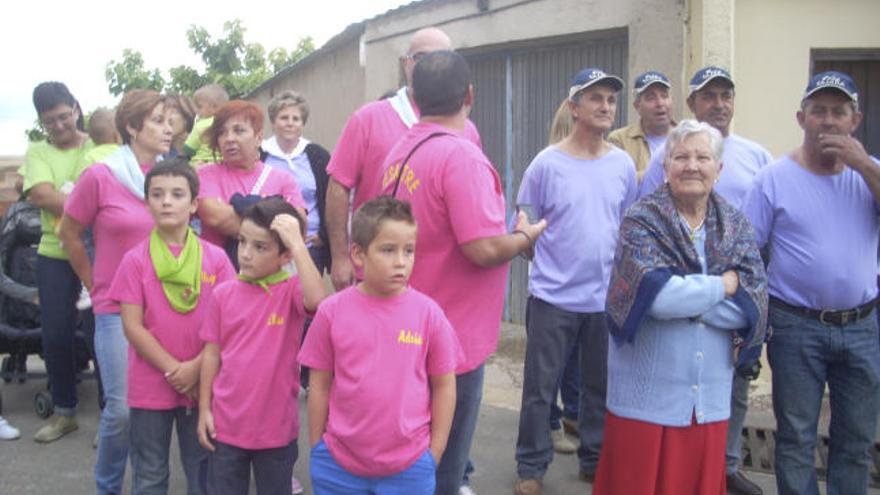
(582, 186)
(816, 209)
(654, 106)
(711, 100)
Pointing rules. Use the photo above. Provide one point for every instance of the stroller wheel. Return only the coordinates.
(43, 404)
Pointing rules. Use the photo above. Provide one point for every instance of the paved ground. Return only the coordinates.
(66, 466)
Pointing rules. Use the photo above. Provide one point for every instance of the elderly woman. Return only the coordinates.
(686, 303)
(109, 198)
(228, 187)
(49, 173)
(289, 151)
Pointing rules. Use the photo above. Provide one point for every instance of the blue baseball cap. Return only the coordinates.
(832, 80)
(588, 77)
(647, 79)
(706, 74)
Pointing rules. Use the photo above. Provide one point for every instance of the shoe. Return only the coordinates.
(466, 490)
(57, 428)
(295, 486)
(7, 431)
(561, 443)
(571, 426)
(527, 487)
(738, 484)
(85, 300)
(585, 476)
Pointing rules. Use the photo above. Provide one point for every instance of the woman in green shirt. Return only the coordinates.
(50, 168)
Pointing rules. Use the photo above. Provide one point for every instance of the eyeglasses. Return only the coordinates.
(415, 57)
(60, 118)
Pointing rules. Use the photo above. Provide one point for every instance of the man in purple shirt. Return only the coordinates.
(582, 186)
(817, 211)
(711, 99)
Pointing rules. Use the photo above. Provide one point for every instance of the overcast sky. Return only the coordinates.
(72, 42)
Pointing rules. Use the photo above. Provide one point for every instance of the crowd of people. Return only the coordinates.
(664, 255)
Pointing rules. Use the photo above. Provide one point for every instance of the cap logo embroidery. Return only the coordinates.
(831, 80)
(712, 73)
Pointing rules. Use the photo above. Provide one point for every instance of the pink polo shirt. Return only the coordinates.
(254, 395)
(219, 181)
(368, 136)
(456, 197)
(119, 221)
(379, 421)
(178, 333)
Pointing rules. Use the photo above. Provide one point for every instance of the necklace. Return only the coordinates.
(692, 231)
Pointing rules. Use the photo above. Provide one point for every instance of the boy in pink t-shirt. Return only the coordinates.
(381, 398)
(163, 286)
(248, 414)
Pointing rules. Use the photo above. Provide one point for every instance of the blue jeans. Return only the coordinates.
(804, 354)
(468, 395)
(739, 405)
(150, 443)
(229, 469)
(58, 287)
(329, 478)
(569, 390)
(111, 350)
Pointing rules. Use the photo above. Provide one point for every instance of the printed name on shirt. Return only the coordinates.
(275, 320)
(409, 337)
(209, 279)
(408, 180)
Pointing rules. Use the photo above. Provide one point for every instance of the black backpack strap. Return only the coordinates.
(410, 154)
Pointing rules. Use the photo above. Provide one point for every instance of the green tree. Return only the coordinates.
(129, 73)
(229, 60)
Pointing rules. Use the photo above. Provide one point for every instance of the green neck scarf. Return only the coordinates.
(265, 282)
(181, 277)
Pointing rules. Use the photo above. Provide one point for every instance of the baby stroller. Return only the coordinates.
(20, 333)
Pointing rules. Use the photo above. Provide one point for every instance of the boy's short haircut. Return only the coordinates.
(174, 167)
(213, 93)
(102, 126)
(368, 218)
(265, 210)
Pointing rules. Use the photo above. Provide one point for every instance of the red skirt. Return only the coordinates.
(640, 458)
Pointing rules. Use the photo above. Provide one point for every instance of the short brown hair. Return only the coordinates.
(135, 107)
(369, 217)
(288, 98)
(235, 108)
(265, 210)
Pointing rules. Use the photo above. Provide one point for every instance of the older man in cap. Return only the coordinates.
(711, 99)
(653, 103)
(582, 186)
(816, 209)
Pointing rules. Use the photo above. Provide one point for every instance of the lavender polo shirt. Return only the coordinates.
(741, 159)
(822, 231)
(583, 202)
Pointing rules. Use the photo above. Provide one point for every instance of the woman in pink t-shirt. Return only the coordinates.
(109, 198)
(240, 179)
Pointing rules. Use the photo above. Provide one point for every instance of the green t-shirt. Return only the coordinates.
(46, 163)
(94, 155)
(198, 143)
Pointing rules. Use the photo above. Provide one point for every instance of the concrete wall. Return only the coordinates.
(772, 58)
(331, 83)
(656, 30)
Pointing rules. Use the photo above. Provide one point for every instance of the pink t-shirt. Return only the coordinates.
(254, 395)
(119, 221)
(218, 181)
(178, 333)
(456, 198)
(368, 136)
(379, 421)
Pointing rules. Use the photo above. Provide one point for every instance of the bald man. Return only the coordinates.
(368, 136)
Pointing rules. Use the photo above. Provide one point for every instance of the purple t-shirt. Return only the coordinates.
(822, 231)
(742, 159)
(583, 202)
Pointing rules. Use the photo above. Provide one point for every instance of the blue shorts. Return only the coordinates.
(329, 478)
